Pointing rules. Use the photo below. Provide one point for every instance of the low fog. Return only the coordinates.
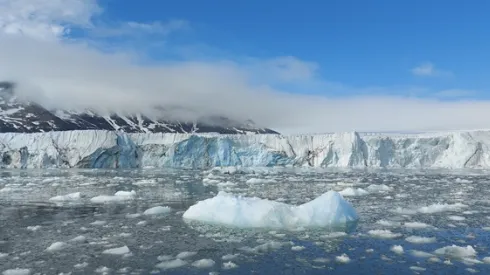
(73, 75)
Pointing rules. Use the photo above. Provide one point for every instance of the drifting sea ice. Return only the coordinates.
(328, 210)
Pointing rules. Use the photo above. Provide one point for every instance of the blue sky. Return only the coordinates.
(295, 66)
(361, 44)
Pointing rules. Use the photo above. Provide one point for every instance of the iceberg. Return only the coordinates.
(328, 210)
(113, 149)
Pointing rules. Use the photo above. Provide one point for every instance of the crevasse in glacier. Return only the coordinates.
(110, 149)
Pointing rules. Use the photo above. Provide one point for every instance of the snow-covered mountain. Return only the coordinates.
(22, 116)
(112, 149)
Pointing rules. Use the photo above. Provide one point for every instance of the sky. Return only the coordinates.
(295, 66)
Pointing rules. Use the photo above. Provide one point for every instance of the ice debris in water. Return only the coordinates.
(17, 271)
(455, 251)
(57, 246)
(69, 197)
(352, 192)
(118, 196)
(117, 251)
(329, 209)
(157, 210)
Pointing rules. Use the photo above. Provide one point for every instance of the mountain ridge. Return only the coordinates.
(21, 116)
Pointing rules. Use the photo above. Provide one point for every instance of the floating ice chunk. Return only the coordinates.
(455, 251)
(98, 223)
(117, 251)
(229, 265)
(333, 235)
(185, 254)
(157, 210)
(203, 263)
(486, 260)
(57, 246)
(383, 234)
(421, 254)
(456, 218)
(266, 247)
(259, 181)
(436, 208)
(417, 268)
(165, 258)
(17, 271)
(119, 196)
(416, 225)
(379, 188)
(352, 192)
(33, 228)
(228, 257)
(342, 259)
(69, 197)
(297, 248)
(329, 209)
(3, 255)
(398, 249)
(420, 240)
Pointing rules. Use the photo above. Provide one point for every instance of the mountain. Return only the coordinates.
(22, 116)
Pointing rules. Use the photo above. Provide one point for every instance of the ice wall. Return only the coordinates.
(108, 149)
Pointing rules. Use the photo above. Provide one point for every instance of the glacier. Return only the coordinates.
(112, 149)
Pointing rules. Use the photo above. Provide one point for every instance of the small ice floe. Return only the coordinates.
(398, 249)
(329, 209)
(103, 270)
(416, 225)
(17, 271)
(437, 208)
(117, 251)
(57, 246)
(229, 265)
(353, 192)
(3, 255)
(297, 248)
(228, 257)
(342, 259)
(420, 240)
(456, 218)
(262, 248)
(81, 265)
(259, 181)
(133, 216)
(421, 254)
(186, 254)
(171, 264)
(455, 251)
(119, 196)
(33, 228)
(379, 188)
(98, 223)
(157, 210)
(67, 198)
(203, 263)
(384, 234)
(163, 258)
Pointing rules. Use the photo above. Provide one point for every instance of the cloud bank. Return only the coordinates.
(62, 72)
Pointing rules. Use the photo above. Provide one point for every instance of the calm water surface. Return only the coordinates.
(407, 218)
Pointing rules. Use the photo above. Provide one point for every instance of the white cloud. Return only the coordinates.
(63, 73)
(139, 29)
(454, 93)
(429, 69)
(45, 19)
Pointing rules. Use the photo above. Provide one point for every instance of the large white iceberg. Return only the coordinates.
(111, 149)
(328, 210)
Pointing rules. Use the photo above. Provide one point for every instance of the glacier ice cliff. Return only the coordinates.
(111, 149)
